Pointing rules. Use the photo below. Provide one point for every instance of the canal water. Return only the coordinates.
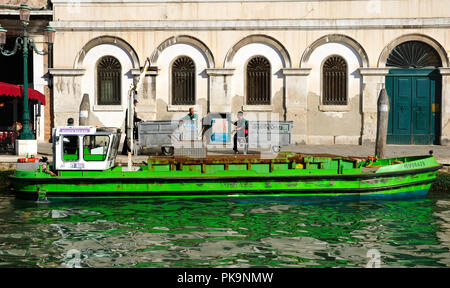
(224, 233)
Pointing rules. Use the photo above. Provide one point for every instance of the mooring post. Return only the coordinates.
(84, 110)
(382, 124)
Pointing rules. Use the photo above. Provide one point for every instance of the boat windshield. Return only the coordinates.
(114, 146)
(95, 147)
(70, 148)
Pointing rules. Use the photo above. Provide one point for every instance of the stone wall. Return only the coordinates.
(296, 36)
(31, 3)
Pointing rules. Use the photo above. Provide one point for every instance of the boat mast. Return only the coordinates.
(130, 115)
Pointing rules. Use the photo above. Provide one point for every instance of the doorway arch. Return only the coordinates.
(414, 88)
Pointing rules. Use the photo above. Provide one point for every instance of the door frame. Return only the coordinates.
(435, 83)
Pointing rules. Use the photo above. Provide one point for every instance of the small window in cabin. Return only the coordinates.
(334, 81)
(95, 147)
(70, 148)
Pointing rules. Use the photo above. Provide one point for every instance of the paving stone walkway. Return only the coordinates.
(441, 153)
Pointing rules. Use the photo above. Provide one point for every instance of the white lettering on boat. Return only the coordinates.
(68, 130)
(412, 165)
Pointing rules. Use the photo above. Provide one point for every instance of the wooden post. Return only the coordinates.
(84, 111)
(382, 124)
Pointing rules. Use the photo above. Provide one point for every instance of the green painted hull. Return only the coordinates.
(290, 175)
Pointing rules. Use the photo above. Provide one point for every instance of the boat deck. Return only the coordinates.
(283, 161)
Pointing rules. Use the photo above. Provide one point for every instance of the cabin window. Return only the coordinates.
(334, 81)
(114, 147)
(108, 81)
(258, 81)
(183, 81)
(70, 148)
(95, 147)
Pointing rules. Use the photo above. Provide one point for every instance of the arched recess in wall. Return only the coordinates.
(413, 37)
(414, 86)
(107, 40)
(284, 55)
(106, 113)
(335, 38)
(183, 39)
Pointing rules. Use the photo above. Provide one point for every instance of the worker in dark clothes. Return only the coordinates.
(70, 142)
(241, 132)
(136, 120)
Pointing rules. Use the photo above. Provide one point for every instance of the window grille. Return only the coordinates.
(183, 81)
(108, 81)
(258, 81)
(413, 54)
(334, 81)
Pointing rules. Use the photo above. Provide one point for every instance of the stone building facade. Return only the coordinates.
(320, 64)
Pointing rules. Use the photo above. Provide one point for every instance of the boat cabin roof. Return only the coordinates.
(86, 130)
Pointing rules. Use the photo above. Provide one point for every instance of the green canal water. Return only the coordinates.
(223, 233)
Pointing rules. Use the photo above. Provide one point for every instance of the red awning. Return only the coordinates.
(17, 91)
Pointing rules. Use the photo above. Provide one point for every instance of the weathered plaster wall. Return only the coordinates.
(294, 26)
(210, 10)
(325, 122)
(31, 3)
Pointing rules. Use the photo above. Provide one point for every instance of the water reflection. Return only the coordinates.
(218, 233)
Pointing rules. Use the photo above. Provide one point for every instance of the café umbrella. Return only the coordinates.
(12, 90)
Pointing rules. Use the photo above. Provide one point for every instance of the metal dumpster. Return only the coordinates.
(165, 135)
(269, 134)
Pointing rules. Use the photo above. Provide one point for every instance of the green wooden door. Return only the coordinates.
(412, 99)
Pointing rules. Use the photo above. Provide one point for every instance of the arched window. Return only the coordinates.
(183, 81)
(413, 54)
(108, 81)
(258, 81)
(334, 81)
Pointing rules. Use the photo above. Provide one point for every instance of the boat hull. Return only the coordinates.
(411, 191)
(412, 179)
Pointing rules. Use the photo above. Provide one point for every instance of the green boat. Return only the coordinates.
(84, 166)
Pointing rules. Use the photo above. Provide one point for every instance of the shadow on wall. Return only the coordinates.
(325, 123)
(278, 104)
(236, 103)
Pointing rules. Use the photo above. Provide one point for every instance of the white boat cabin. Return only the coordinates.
(84, 147)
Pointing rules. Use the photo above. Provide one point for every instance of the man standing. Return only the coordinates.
(241, 132)
(191, 115)
(125, 148)
(190, 129)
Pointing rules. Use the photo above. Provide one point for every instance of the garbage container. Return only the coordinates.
(166, 134)
(157, 134)
(269, 134)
